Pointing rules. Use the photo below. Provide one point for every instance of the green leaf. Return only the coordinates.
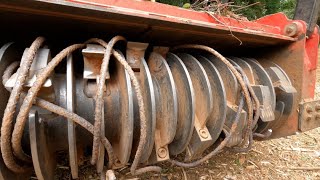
(186, 5)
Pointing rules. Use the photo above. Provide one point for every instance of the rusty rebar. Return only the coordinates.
(43, 75)
(255, 118)
(8, 73)
(253, 96)
(265, 135)
(99, 97)
(31, 95)
(143, 120)
(61, 111)
(7, 121)
(31, 98)
(77, 119)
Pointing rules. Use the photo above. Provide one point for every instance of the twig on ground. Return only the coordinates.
(305, 168)
(299, 150)
(184, 174)
(259, 152)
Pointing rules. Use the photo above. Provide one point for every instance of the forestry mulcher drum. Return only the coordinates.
(135, 83)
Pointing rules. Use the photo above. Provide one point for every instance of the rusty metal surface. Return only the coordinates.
(218, 113)
(149, 101)
(186, 104)
(203, 102)
(8, 115)
(92, 58)
(229, 80)
(166, 105)
(42, 58)
(119, 113)
(6, 173)
(135, 54)
(216, 118)
(135, 51)
(202, 87)
(43, 158)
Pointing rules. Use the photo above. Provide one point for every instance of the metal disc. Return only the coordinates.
(72, 140)
(119, 113)
(217, 117)
(232, 89)
(218, 114)
(229, 80)
(166, 104)
(150, 108)
(204, 103)
(246, 68)
(42, 157)
(201, 85)
(186, 104)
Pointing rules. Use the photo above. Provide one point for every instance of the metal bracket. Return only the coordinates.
(309, 114)
(263, 94)
(92, 57)
(135, 51)
(41, 61)
(236, 138)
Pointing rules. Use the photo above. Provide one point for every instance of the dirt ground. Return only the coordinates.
(294, 157)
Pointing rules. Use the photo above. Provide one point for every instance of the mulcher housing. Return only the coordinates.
(149, 98)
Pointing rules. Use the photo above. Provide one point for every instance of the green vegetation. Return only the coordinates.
(259, 9)
(265, 7)
(179, 3)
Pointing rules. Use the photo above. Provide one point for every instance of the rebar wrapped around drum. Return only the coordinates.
(177, 103)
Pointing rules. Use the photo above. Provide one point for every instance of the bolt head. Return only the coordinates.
(117, 162)
(309, 117)
(291, 30)
(309, 109)
(203, 133)
(162, 152)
